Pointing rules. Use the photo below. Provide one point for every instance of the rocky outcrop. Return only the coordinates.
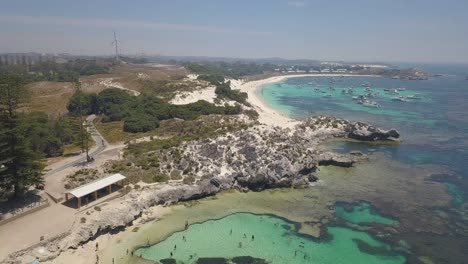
(364, 132)
(330, 158)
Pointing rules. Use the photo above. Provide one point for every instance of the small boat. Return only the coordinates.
(399, 99)
(359, 97)
(413, 97)
(392, 91)
(371, 104)
(401, 89)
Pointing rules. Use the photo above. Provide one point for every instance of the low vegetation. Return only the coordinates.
(81, 177)
(216, 74)
(141, 113)
(223, 91)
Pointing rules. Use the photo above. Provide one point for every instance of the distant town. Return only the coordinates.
(271, 65)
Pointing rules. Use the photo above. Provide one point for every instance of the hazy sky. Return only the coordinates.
(363, 30)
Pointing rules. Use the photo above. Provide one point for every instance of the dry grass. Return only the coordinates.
(131, 77)
(113, 132)
(50, 97)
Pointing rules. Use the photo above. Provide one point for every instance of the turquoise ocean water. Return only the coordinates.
(433, 122)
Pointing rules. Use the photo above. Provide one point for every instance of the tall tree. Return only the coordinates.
(82, 104)
(20, 166)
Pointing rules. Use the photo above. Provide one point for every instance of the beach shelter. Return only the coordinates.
(94, 187)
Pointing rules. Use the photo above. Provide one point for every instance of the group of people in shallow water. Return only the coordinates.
(252, 238)
(245, 236)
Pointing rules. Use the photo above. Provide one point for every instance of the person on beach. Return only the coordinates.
(240, 244)
(186, 224)
(230, 232)
(253, 237)
(245, 236)
(175, 247)
(171, 254)
(97, 246)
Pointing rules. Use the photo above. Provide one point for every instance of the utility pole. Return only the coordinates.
(116, 43)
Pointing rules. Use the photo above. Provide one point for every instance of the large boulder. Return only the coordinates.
(365, 132)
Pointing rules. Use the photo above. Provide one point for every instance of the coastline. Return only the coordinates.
(267, 114)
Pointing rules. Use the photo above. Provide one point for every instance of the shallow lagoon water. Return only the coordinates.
(274, 239)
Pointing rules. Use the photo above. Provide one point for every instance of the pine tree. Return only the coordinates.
(20, 166)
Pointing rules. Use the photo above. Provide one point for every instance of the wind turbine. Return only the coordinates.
(116, 43)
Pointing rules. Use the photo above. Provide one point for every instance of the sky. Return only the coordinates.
(348, 30)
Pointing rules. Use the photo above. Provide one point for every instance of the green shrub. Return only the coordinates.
(189, 180)
(160, 178)
(175, 175)
(140, 123)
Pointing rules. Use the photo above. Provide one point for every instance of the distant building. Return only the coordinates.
(369, 65)
(340, 70)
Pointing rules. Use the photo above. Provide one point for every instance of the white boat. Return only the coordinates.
(401, 89)
(399, 99)
(369, 103)
(413, 97)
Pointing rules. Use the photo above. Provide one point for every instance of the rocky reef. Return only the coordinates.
(255, 158)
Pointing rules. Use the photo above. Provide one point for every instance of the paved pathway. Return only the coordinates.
(101, 145)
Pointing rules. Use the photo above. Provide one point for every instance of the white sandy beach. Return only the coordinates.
(268, 115)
